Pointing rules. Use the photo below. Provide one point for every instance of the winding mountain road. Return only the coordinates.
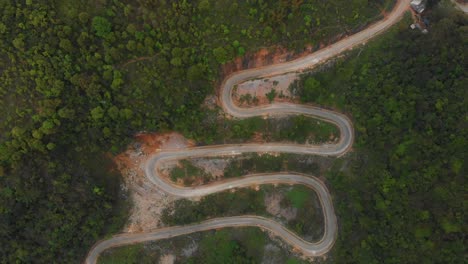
(346, 140)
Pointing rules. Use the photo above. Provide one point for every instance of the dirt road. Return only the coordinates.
(341, 121)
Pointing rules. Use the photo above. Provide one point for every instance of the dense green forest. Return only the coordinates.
(79, 78)
(402, 199)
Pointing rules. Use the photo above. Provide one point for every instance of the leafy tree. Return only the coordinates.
(271, 95)
(312, 89)
(195, 72)
(204, 5)
(83, 17)
(101, 26)
(19, 42)
(66, 45)
(97, 113)
(221, 55)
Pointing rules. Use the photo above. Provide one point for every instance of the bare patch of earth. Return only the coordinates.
(273, 206)
(272, 254)
(259, 88)
(167, 259)
(213, 166)
(271, 55)
(213, 169)
(190, 249)
(210, 102)
(273, 250)
(148, 201)
(261, 58)
(166, 167)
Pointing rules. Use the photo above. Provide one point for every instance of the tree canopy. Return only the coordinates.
(79, 78)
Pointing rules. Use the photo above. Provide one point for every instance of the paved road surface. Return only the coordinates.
(462, 7)
(341, 121)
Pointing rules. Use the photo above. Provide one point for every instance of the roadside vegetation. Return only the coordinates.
(79, 78)
(239, 245)
(189, 171)
(127, 254)
(217, 129)
(262, 163)
(297, 207)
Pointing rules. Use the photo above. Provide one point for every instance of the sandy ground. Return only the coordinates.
(167, 259)
(260, 87)
(148, 201)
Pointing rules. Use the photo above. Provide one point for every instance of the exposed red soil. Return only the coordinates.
(148, 201)
(152, 142)
(268, 56)
(262, 87)
(263, 57)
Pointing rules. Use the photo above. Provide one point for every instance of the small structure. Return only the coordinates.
(418, 26)
(418, 5)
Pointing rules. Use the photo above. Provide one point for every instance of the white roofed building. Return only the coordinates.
(418, 5)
